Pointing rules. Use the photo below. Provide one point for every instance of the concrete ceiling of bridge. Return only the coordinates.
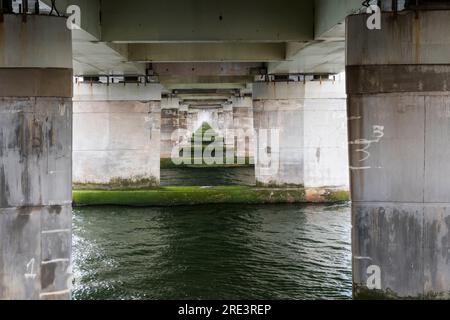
(207, 52)
(206, 20)
(122, 37)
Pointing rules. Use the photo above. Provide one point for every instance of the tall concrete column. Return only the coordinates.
(170, 122)
(192, 120)
(183, 117)
(225, 119)
(116, 135)
(243, 120)
(278, 108)
(35, 158)
(398, 81)
(310, 119)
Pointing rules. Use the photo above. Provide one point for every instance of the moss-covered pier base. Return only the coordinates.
(182, 196)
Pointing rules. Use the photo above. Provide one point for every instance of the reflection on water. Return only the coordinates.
(213, 252)
(208, 176)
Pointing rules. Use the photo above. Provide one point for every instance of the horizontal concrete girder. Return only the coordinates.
(116, 92)
(329, 13)
(90, 17)
(90, 55)
(316, 57)
(206, 75)
(205, 20)
(292, 36)
(205, 86)
(207, 69)
(206, 52)
(326, 53)
(205, 82)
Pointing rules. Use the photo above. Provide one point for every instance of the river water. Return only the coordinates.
(213, 252)
(208, 176)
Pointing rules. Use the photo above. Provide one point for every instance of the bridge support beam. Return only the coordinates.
(398, 81)
(35, 158)
(308, 121)
(116, 135)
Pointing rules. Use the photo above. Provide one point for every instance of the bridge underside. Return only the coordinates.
(289, 37)
(143, 69)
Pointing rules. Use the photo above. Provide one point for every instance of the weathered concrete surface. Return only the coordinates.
(39, 82)
(225, 120)
(311, 120)
(35, 160)
(117, 92)
(183, 114)
(282, 118)
(203, 20)
(22, 46)
(243, 120)
(206, 52)
(421, 41)
(169, 125)
(116, 144)
(35, 197)
(170, 122)
(399, 140)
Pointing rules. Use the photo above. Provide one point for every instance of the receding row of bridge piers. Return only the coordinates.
(118, 137)
(389, 130)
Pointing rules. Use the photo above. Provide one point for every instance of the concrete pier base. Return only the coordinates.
(35, 158)
(398, 82)
(116, 136)
(308, 122)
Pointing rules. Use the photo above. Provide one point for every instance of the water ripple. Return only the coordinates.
(218, 252)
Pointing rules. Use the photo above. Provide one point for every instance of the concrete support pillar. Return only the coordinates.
(183, 117)
(243, 120)
(225, 119)
(116, 135)
(398, 82)
(35, 158)
(192, 120)
(309, 122)
(170, 122)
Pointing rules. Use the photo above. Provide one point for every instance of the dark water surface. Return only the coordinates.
(213, 252)
(208, 176)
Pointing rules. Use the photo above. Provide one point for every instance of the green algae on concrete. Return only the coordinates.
(361, 292)
(273, 184)
(313, 195)
(118, 184)
(179, 196)
(337, 196)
